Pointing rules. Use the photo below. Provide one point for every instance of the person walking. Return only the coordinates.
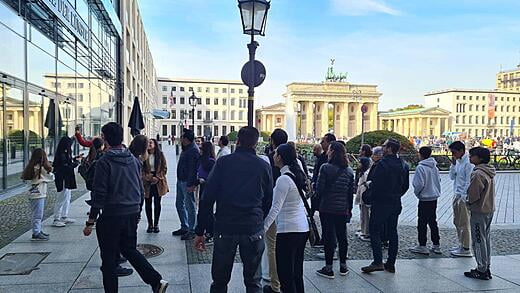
(242, 206)
(223, 145)
(39, 172)
(389, 182)
(481, 203)
(155, 184)
(116, 199)
(460, 173)
(186, 185)
(206, 164)
(65, 179)
(427, 188)
(335, 191)
(289, 212)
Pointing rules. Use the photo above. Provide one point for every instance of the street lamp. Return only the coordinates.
(193, 103)
(254, 17)
(297, 109)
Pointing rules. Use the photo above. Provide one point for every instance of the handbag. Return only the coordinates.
(314, 235)
(366, 196)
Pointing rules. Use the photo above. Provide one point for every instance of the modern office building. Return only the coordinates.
(220, 108)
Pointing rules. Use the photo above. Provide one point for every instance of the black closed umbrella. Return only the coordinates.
(50, 120)
(136, 121)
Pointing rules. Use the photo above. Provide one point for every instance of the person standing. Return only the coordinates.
(460, 173)
(321, 159)
(223, 145)
(427, 188)
(206, 164)
(289, 212)
(365, 162)
(186, 184)
(65, 179)
(116, 198)
(389, 182)
(481, 203)
(155, 184)
(242, 206)
(335, 191)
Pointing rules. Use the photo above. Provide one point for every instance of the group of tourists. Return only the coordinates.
(260, 203)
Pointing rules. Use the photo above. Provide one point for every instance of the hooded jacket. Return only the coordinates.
(426, 182)
(118, 188)
(390, 181)
(460, 173)
(481, 191)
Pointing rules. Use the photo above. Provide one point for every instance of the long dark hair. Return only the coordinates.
(38, 157)
(158, 156)
(95, 149)
(139, 145)
(63, 151)
(339, 155)
(207, 153)
(289, 158)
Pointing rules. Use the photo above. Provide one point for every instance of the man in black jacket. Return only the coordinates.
(390, 181)
(116, 197)
(186, 183)
(241, 185)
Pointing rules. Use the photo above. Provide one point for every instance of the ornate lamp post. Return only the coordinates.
(193, 103)
(254, 17)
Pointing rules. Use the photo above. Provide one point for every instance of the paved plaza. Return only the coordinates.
(73, 262)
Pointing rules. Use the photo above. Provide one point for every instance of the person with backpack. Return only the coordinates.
(390, 181)
(427, 187)
(155, 184)
(335, 192)
(39, 172)
(289, 212)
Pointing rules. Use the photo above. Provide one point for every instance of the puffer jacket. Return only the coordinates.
(335, 196)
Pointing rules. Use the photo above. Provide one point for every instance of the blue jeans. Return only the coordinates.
(384, 216)
(185, 204)
(37, 206)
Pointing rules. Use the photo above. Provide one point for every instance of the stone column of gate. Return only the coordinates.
(373, 117)
(428, 126)
(340, 120)
(438, 127)
(359, 118)
(309, 119)
(323, 124)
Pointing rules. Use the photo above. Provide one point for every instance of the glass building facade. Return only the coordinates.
(58, 71)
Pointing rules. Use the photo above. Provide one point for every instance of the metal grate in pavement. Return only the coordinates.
(21, 263)
(150, 250)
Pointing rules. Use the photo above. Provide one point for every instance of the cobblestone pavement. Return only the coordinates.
(504, 241)
(15, 212)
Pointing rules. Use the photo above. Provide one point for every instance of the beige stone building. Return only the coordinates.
(309, 105)
(269, 118)
(509, 80)
(419, 122)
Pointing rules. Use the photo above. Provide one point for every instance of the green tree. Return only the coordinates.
(265, 135)
(233, 136)
(409, 107)
(376, 138)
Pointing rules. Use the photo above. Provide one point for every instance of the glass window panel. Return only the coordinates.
(42, 41)
(41, 67)
(35, 121)
(11, 57)
(11, 19)
(15, 135)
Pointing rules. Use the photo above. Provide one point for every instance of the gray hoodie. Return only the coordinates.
(426, 182)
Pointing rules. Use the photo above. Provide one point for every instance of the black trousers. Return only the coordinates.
(119, 234)
(224, 251)
(381, 216)
(427, 216)
(290, 249)
(156, 199)
(334, 227)
(210, 226)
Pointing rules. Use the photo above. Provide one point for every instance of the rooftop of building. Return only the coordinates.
(510, 70)
(275, 107)
(460, 90)
(201, 81)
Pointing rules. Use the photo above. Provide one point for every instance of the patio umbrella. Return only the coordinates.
(136, 121)
(50, 120)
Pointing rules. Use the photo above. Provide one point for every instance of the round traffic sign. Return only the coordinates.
(259, 75)
(364, 108)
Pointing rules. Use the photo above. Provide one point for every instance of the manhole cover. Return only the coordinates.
(149, 250)
(21, 263)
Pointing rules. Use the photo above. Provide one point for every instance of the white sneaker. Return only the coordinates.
(161, 287)
(68, 220)
(358, 233)
(436, 249)
(455, 248)
(419, 249)
(364, 238)
(58, 223)
(461, 252)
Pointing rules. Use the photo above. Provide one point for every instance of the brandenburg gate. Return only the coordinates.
(308, 106)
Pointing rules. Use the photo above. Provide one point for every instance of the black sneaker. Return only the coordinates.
(149, 230)
(385, 244)
(343, 271)
(475, 274)
(188, 236)
(373, 268)
(389, 268)
(121, 259)
(179, 232)
(488, 272)
(268, 289)
(324, 272)
(156, 229)
(123, 272)
(161, 287)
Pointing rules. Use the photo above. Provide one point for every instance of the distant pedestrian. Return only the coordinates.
(39, 172)
(390, 181)
(65, 179)
(481, 203)
(460, 173)
(334, 192)
(223, 145)
(88, 165)
(289, 212)
(186, 185)
(116, 199)
(242, 206)
(206, 164)
(377, 155)
(365, 161)
(301, 159)
(427, 188)
(155, 169)
(322, 159)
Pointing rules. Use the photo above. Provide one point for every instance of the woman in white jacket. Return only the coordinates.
(38, 172)
(292, 226)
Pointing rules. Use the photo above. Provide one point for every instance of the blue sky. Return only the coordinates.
(406, 47)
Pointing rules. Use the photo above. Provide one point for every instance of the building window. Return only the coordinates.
(471, 107)
(476, 119)
(470, 98)
(80, 85)
(470, 119)
(215, 102)
(174, 114)
(208, 101)
(215, 115)
(240, 91)
(199, 101)
(232, 91)
(458, 98)
(182, 88)
(232, 101)
(463, 119)
(199, 115)
(174, 88)
(457, 119)
(199, 130)
(165, 89)
(224, 116)
(278, 120)
(224, 90)
(174, 100)
(190, 89)
(232, 115)
(165, 130)
(232, 128)
(80, 97)
(241, 115)
(224, 130)
(182, 100)
(208, 113)
(224, 101)
(199, 89)
(207, 90)
(215, 130)
(174, 130)
(215, 90)
(165, 100)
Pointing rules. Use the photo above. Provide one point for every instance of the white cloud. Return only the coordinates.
(362, 7)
